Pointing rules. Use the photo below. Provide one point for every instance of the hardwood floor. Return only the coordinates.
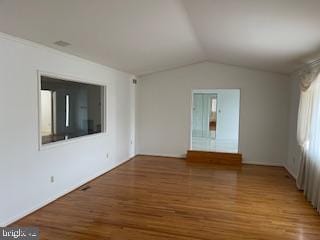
(166, 198)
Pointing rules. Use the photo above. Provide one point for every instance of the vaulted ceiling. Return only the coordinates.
(145, 36)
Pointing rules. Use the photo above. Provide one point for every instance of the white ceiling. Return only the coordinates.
(145, 36)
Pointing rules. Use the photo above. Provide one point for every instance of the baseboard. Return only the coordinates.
(269, 164)
(162, 155)
(294, 176)
(184, 157)
(51, 200)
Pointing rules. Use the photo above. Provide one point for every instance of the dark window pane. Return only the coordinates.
(70, 109)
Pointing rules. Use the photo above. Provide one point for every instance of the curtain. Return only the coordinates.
(307, 76)
(308, 136)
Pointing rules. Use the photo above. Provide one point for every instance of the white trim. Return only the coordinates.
(162, 155)
(105, 110)
(69, 141)
(184, 156)
(271, 164)
(72, 79)
(39, 109)
(191, 123)
(207, 91)
(291, 172)
(67, 123)
(50, 200)
(210, 91)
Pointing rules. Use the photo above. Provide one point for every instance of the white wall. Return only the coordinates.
(24, 170)
(293, 162)
(164, 116)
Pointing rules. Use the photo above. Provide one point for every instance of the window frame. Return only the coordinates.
(104, 113)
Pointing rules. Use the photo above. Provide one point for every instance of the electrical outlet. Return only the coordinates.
(107, 155)
(52, 179)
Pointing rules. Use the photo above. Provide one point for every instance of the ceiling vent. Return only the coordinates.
(62, 43)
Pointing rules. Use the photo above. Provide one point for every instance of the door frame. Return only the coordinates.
(209, 91)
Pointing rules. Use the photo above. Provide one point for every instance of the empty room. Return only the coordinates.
(160, 119)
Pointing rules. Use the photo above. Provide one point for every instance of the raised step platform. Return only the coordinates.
(214, 157)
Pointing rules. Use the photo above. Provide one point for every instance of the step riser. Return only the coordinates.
(215, 157)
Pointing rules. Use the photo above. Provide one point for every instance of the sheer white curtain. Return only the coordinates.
(308, 134)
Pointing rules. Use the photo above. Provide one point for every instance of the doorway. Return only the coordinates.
(215, 120)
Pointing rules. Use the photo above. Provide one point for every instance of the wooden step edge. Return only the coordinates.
(221, 158)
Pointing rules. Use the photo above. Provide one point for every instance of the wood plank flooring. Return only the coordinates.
(158, 198)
